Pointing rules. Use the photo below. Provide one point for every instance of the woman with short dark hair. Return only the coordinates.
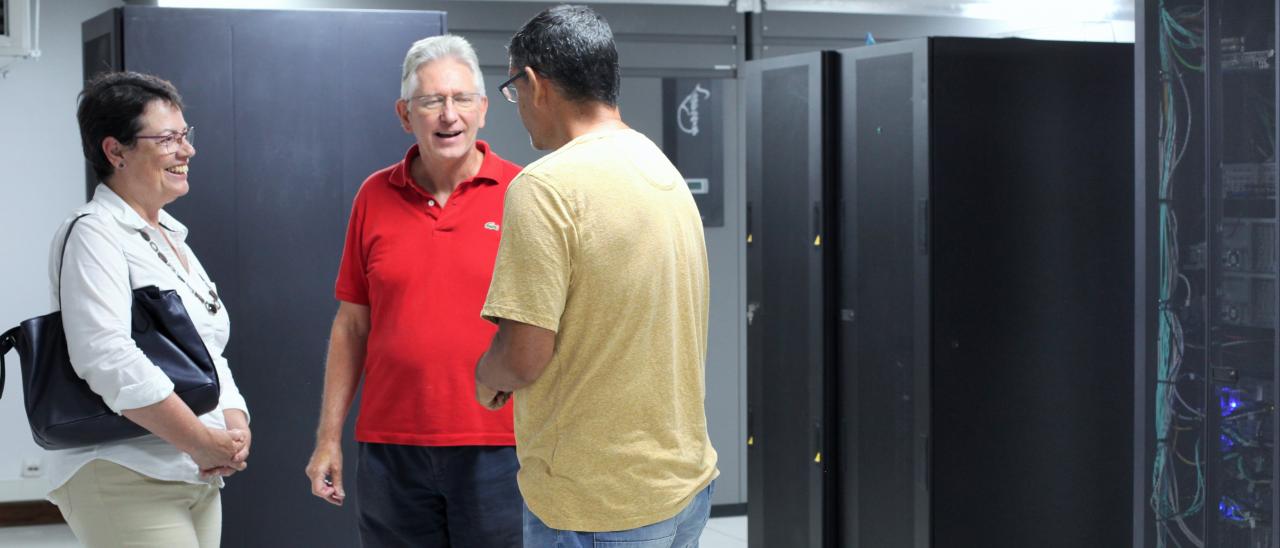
(161, 489)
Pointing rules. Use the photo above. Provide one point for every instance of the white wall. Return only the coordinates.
(41, 180)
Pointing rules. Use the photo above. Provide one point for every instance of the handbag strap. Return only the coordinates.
(10, 338)
(62, 257)
(7, 341)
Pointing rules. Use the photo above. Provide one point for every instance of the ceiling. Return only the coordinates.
(1058, 10)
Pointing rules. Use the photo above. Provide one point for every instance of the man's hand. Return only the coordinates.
(325, 471)
(493, 400)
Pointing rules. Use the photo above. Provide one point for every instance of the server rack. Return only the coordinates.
(978, 366)
(295, 110)
(984, 185)
(1206, 302)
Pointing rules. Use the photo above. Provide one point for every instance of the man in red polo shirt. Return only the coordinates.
(435, 467)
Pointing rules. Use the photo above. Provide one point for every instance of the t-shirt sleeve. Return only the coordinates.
(353, 282)
(535, 257)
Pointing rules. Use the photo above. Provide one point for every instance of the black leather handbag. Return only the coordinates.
(65, 413)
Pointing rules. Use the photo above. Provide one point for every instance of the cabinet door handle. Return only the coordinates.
(817, 224)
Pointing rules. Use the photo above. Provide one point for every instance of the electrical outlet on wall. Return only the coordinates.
(32, 467)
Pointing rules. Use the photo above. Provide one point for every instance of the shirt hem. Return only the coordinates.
(562, 523)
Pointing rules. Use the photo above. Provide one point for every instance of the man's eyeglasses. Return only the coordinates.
(169, 142)
(431, 104)
(508, 88)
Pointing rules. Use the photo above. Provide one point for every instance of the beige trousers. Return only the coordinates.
(110, 506)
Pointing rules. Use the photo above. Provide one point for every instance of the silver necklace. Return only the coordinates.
(210, 306)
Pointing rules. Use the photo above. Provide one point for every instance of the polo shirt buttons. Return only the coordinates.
(431, 203)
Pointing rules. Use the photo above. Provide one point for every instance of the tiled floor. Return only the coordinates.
(725, 533)
(720, 533)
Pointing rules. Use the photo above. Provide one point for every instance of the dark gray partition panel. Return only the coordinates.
(294, 110)
(788, 179)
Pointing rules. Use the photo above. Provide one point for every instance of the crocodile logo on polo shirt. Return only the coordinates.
(491, 226)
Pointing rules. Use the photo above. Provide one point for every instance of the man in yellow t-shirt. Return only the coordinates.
(600, 295)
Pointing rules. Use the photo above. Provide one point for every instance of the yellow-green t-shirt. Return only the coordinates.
(603, 245)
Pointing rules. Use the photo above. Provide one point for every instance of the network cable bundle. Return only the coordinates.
(1210, 419)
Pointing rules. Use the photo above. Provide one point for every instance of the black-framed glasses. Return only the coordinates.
(169, 142)
(508, 88)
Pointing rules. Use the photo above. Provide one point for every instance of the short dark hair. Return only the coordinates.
(111, 105)
(573, 47)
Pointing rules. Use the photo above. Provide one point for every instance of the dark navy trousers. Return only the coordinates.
(429, 497)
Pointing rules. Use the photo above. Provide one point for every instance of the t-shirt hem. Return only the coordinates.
(632, 521)
(436, 440)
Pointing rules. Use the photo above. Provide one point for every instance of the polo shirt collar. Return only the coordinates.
(490, 167)
(129, 218)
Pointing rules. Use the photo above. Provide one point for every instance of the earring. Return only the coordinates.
(121, 165)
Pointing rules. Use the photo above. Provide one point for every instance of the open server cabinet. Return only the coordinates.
(938, 279)
(1206, 301)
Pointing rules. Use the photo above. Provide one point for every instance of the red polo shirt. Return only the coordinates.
(423, 270)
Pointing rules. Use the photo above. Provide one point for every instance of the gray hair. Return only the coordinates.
(430, 49)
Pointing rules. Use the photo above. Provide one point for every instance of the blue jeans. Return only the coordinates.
(681, 531)
(437, 497)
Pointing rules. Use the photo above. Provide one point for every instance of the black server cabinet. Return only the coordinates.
(973, 387)
(294, 110)
(789, 154)
(984, 293)
(1206, 355)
